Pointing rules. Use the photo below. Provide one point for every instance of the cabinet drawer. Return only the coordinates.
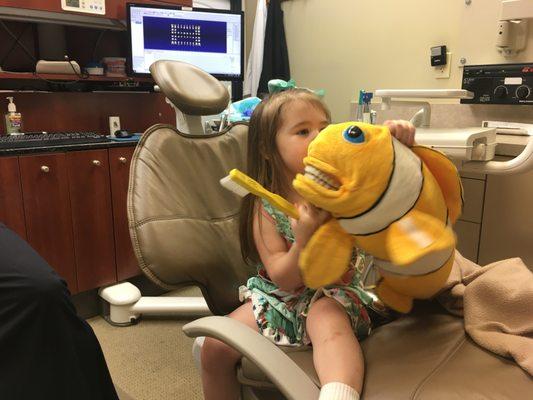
(474, 191)
(508, 219)
(468, 239)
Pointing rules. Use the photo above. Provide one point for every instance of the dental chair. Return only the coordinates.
(184, 228)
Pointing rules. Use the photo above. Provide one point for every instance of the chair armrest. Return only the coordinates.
(288, 377)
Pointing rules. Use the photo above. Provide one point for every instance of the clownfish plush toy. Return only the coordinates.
(395, 203)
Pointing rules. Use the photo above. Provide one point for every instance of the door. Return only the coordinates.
(119, 162)
(11, 207)
(47, 212)
(92, 218)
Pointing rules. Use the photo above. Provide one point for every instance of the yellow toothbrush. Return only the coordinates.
(241, 184)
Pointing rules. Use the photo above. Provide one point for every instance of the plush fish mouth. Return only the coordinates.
(321, 178)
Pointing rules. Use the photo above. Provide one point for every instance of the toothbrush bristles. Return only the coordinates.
(229, 184)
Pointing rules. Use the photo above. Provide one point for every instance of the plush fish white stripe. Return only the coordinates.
(420, 237)
(423, 266)
(399, 197)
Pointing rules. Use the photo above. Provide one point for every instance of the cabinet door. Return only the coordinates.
(11, 208)
(47, 212)
(119, 161)
(507, 229)
(92, 218)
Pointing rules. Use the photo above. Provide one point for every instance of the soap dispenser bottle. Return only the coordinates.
(13, 119)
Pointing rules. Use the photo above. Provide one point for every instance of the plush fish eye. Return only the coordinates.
(354, 134)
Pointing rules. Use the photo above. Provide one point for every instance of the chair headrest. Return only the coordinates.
(191, 90)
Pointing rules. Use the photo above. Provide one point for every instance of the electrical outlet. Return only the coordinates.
(443, 71)
(114, 125)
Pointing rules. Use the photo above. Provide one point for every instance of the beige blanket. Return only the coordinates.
(497, 304)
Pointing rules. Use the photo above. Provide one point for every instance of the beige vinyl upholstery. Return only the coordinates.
(424, 355)
(184, 229)
(183, 224)
(191, 90)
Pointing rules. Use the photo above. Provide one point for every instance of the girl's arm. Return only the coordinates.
(280, 260)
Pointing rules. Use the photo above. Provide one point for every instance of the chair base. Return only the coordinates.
(124, 305)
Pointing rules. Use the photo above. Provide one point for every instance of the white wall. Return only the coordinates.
(218, 4)
(346, 45)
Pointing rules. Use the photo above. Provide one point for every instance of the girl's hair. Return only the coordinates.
(264, 161)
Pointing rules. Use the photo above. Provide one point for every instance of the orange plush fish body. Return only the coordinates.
(396, 203)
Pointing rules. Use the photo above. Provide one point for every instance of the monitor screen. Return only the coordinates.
(209, 39)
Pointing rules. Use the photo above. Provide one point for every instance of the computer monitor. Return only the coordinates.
(209, 39)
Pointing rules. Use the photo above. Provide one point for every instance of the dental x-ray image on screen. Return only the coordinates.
(210, 39)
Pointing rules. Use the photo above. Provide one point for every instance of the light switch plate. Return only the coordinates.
(443, 71)
(114, 125)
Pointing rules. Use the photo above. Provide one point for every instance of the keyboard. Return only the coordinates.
(45, 139)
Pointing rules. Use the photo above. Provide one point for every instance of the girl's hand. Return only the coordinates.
(311, 218)
(402, 130)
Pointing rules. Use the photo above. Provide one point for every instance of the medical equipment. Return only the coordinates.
(184, 232)
(472, 149)
(124, 301)
(212, 40)
(499, 83)
(212, 94)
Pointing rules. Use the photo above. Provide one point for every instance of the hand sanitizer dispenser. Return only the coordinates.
(13, 119)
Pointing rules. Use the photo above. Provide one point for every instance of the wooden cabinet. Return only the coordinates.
(507, 229)
(92, 218)
(11, 207)
(119, 164)
(47, 212)
(71, 208)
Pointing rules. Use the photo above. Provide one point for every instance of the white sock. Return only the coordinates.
(338, 391)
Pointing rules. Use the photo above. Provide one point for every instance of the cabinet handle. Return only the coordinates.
(45, 168)
(122, 160)
(96, 162)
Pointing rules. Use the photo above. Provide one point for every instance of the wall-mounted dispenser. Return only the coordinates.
(511, 34)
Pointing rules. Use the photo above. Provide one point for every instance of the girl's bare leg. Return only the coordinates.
(219, 380)
(337, 354)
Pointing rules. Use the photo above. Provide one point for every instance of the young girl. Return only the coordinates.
(277, 303)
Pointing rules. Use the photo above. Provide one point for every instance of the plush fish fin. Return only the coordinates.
(326, 257)
(446, 175)
(418, 241)
(395, 300)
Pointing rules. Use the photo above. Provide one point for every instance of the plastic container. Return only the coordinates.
(13, 119)
(114, 66)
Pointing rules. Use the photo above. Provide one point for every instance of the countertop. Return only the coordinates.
(508, 145)
(65, 147)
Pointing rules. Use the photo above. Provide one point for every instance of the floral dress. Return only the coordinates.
(281, 315)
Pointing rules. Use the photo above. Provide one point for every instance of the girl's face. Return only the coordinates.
(300, 123)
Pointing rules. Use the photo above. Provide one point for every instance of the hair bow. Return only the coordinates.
(279, 85)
